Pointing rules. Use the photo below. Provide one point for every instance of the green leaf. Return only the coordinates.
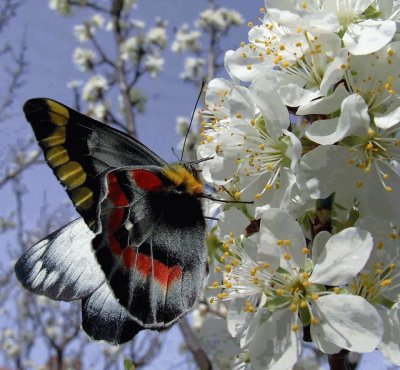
(128, 365)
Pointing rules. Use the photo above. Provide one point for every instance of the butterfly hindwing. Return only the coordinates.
(62, 266)
(80, 150)
(152, 247)
(103, 318)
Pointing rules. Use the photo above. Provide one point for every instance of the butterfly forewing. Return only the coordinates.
(81, 150)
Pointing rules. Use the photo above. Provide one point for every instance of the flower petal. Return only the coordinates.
(344, 255)
(275, 346)
(348, 322)
(368, 36)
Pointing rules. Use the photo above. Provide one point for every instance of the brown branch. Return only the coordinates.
(15, 173)
(193, 345)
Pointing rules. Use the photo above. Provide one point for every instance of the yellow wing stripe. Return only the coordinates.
(59, 115)
(82, 198)
(57, 156)
(57, 137)
(71, 175)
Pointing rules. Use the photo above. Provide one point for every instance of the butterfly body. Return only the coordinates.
(143, 225)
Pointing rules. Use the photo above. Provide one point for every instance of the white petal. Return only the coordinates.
(233, 221)
(345, 254)
(275, 346)
(319, 244)
(348, 322)
(353, 120)
(390, 345)
(275, 225)
(241, 103)
(334, 72)
(323, 169)
(271, 106)
(294, 95)
(368, 36)
(325, 105)
(388, 119)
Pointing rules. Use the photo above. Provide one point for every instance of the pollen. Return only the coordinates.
(314, 321)
(295, 328)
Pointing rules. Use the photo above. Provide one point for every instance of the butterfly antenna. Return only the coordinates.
(191, 119)
(225, 200)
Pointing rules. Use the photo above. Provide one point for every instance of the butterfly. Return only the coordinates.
(136, 257)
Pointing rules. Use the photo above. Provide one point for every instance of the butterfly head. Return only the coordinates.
(184, 179)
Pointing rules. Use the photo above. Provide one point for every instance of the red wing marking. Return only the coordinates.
(115, 193)
(164, 274)
(147, 180)
(119, 199)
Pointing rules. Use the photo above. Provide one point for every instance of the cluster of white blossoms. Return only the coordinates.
(310, 115)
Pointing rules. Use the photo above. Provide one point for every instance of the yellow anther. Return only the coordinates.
(258, 196)
(388, 189)
(295, 327)
(314, 321)
(343, 66)
(280, 292)
(268, 187)
(235, 262)
(253, 122)
(293, 307)
(222, 259)
(212, 300)
(386, 282)
(306, 250)
(392, 266)
(219, 295)
(314, 296)
(237, 195)
(305, 275)
(218, 269)
(303, 304)
(242, 44)
(279, 242)
(380, 244)
(391, 52)
(256, 280)
(266, 265)
(228, 285)
(350, 162)
(336, 290)
(262, 10)
(226, 254)
(250, 24)
(249, 67)
(287, 242)
(228, 268)
(359, 184)
(215, 284)
(393, 236)
(287, 256)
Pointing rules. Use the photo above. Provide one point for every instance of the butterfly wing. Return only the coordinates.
(152, 246)
(103, 318)
(80, 150)
(62, 266)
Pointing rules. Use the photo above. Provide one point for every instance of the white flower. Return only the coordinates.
(98, 21)
(157, 36)
(371, 183)
(193, 69)
(154, 64)
(186, 40)
(82, 32)
(94, 87)
(84, 58)
(279, 290)
(251, 149)
(61, 6)
(129, 49)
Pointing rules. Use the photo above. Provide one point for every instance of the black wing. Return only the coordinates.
(80, 150)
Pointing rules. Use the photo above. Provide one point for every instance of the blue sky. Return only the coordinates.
(51, 43)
